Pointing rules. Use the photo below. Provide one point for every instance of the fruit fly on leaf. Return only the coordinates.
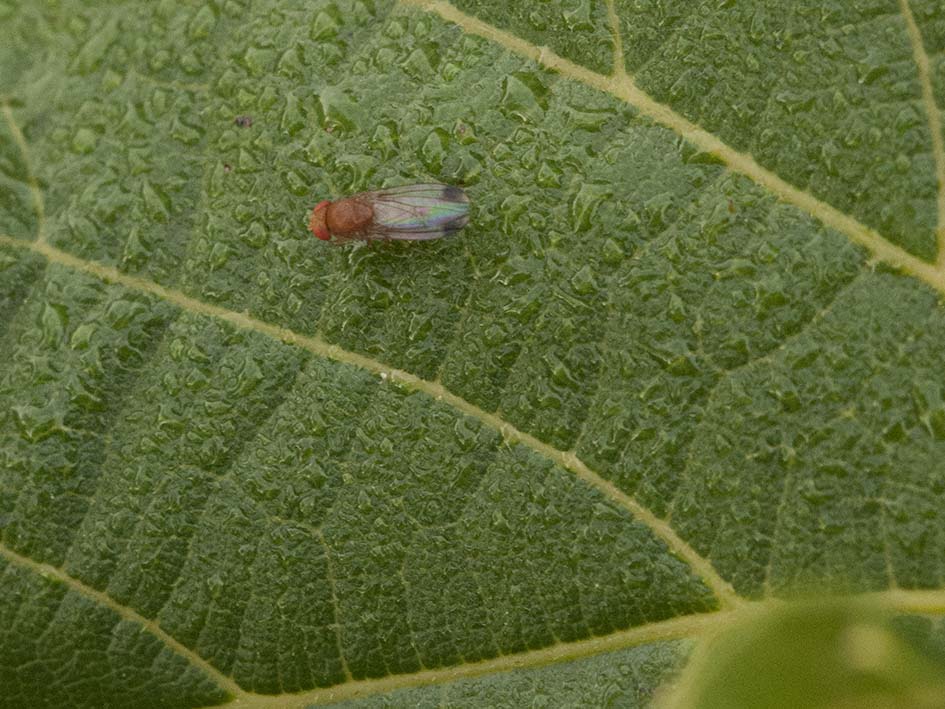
(410, 213)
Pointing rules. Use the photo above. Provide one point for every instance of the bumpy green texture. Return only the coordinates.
(845, 427)
(237, 471)
(825, 94)
(931, 23)
(222, 506)
(627, 679)
(577, 27)
(62, 649)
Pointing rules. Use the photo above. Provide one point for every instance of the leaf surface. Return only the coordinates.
(685, 358)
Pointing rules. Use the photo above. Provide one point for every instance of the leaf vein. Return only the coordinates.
(121, 403)
(330, 571)
(611, 321)
(934, 117)
(39, 204)
(124, 612)
(925, 602)
(626, 90)
(243, 439)
(620, 63)
(702, 567)
(690, 626)
(727, 375)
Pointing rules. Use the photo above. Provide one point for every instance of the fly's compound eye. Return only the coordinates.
(317, 223)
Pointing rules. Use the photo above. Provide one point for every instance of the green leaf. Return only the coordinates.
(684, 360)
(818, 655)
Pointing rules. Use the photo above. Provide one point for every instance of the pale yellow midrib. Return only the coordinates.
(623, 87)
(702, 567)
(661, 631)
(930, 603)
(619, 85)
(934, 117)
(691, 626)
(699, 565)
(36, 193)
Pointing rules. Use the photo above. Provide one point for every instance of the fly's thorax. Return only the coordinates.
(349, 216)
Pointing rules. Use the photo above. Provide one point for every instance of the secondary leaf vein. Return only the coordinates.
(690, 626)
(677, 628)
(726, 376)
(620, 64)
(330, 570)
(925, 602)
(701, 567)
(39, 204)
(625, 89)
(74, 584)
(934, 116)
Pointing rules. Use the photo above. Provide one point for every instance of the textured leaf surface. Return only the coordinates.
(628, 678)
(686, 357)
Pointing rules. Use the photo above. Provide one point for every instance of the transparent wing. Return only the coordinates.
(417, 212)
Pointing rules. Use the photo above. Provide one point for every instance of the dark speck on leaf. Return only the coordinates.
(244, 121)
(226, 167)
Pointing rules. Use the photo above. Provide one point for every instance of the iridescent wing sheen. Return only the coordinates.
(417, 212)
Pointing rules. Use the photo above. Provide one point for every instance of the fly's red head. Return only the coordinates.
(317, 223)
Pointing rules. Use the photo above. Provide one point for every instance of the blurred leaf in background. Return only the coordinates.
(827, 654)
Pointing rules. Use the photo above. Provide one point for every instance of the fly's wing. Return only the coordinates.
(417, 212)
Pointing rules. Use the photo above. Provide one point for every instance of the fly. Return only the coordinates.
(409, 213)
